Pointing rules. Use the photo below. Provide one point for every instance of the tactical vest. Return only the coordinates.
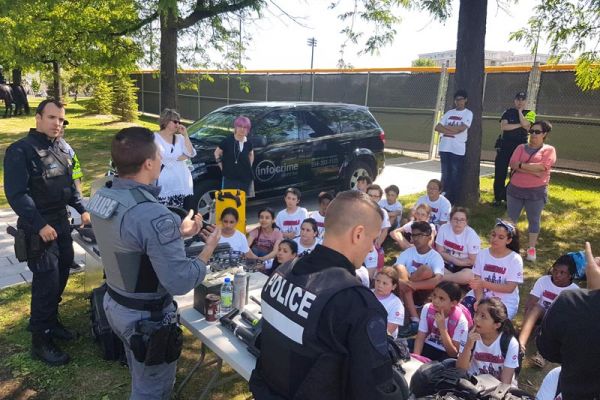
(291, 307)
(51, 184)
(126, 270)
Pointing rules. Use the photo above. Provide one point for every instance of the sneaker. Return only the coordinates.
(409, 330)
(531, 254)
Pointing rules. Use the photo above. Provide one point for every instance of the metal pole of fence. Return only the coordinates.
(159, 95)
(312, 86)
(142, 91)
(228, 95)
(439, 110)
(267, 88)
(485, 75)
(198, 93)
(367, 89)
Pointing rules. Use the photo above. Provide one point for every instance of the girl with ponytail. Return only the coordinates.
(492, 347)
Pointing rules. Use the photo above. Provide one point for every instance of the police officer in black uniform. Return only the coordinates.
(514, 122)
(324, 334)
(38, 184)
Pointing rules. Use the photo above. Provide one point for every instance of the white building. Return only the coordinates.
(491, 58)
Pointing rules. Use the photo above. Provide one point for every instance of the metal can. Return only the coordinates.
(211, 307)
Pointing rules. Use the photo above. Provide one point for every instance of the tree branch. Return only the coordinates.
(201, 12)
(138, 25)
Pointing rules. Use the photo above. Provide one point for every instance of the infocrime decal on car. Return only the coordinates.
(266, 170)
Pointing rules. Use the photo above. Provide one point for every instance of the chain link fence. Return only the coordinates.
(404, 102)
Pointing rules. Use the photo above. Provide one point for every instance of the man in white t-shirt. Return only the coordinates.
(453, 129)
(421, 268)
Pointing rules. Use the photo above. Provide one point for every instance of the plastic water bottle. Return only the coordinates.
(226, 296)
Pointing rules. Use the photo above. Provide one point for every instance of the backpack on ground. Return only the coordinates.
(110, 344)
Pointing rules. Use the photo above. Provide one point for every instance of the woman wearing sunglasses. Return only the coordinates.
(175, 149)
(528, 187)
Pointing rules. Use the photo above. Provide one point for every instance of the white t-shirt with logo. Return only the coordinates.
(412, 260)
(237, 241)
(489, 359)
(316, 215)
(302, 251)
(363, 274)
(500, 270)
(372, 259)
(291, 222)
(395, 207)
(395, 310)
(440, 209)
(434, 339)
(460, 245)
(547, 291)
(456, 143)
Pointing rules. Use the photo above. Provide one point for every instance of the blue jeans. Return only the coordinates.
(452, 168)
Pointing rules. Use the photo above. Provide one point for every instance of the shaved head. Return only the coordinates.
(349, 209)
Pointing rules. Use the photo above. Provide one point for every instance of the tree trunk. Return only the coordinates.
(56, 82)
(168, 60)
(16, 76)
(470, 46)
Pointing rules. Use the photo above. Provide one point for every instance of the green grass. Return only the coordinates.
(89, 135)
(571, 217)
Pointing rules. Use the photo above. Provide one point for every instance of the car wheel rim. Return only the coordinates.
(356, 174)
(205, 202)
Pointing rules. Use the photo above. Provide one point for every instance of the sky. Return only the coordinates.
(279, 43)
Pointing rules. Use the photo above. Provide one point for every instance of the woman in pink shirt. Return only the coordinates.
(528, 187)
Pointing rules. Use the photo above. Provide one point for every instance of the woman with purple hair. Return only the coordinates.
(235, 156)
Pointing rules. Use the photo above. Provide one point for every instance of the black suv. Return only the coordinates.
(312, 146)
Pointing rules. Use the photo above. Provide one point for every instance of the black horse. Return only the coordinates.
(6, 94)
(20, 99)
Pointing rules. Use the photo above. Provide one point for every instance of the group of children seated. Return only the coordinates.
(456, 299)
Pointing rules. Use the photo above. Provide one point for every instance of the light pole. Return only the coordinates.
(312, 42)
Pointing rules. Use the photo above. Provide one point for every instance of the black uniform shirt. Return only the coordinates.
(353, 324)
(569, 336)
(18, 169)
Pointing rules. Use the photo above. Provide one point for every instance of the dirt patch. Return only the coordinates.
(15, 388)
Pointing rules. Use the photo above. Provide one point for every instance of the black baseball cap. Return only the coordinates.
(521, 96)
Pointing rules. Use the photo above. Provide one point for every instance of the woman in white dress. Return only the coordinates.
(176, 148)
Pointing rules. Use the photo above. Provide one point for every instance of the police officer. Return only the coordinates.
(145, 263)
(515, 123)
(324, 334)
(38, 186)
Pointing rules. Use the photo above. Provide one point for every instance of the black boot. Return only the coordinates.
(44, 349)
(62, 333)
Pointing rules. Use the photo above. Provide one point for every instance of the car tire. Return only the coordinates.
(204, 194)
(356, 169)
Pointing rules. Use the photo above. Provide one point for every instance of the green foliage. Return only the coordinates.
(124, 101)
(35, 85)
(572, 28)
(102, 98)
(423, 62)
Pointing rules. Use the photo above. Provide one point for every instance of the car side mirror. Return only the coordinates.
(258, 140)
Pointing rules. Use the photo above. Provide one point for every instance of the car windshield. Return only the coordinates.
(213, 127)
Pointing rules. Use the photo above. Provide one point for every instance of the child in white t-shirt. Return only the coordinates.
(545, 290)
(440, 206)
(309, 237)
(498, 270)
(386, 286)
(392, 205)
(444, 324)
(324, 199)
(375, 192)
(484, 353)
(236, 239)
(290, 219)
(401, 235)
(420, 268)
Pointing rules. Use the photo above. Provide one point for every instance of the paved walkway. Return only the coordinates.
(409, 174)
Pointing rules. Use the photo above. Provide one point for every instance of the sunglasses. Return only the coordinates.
(536, 132)
(176, 122)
